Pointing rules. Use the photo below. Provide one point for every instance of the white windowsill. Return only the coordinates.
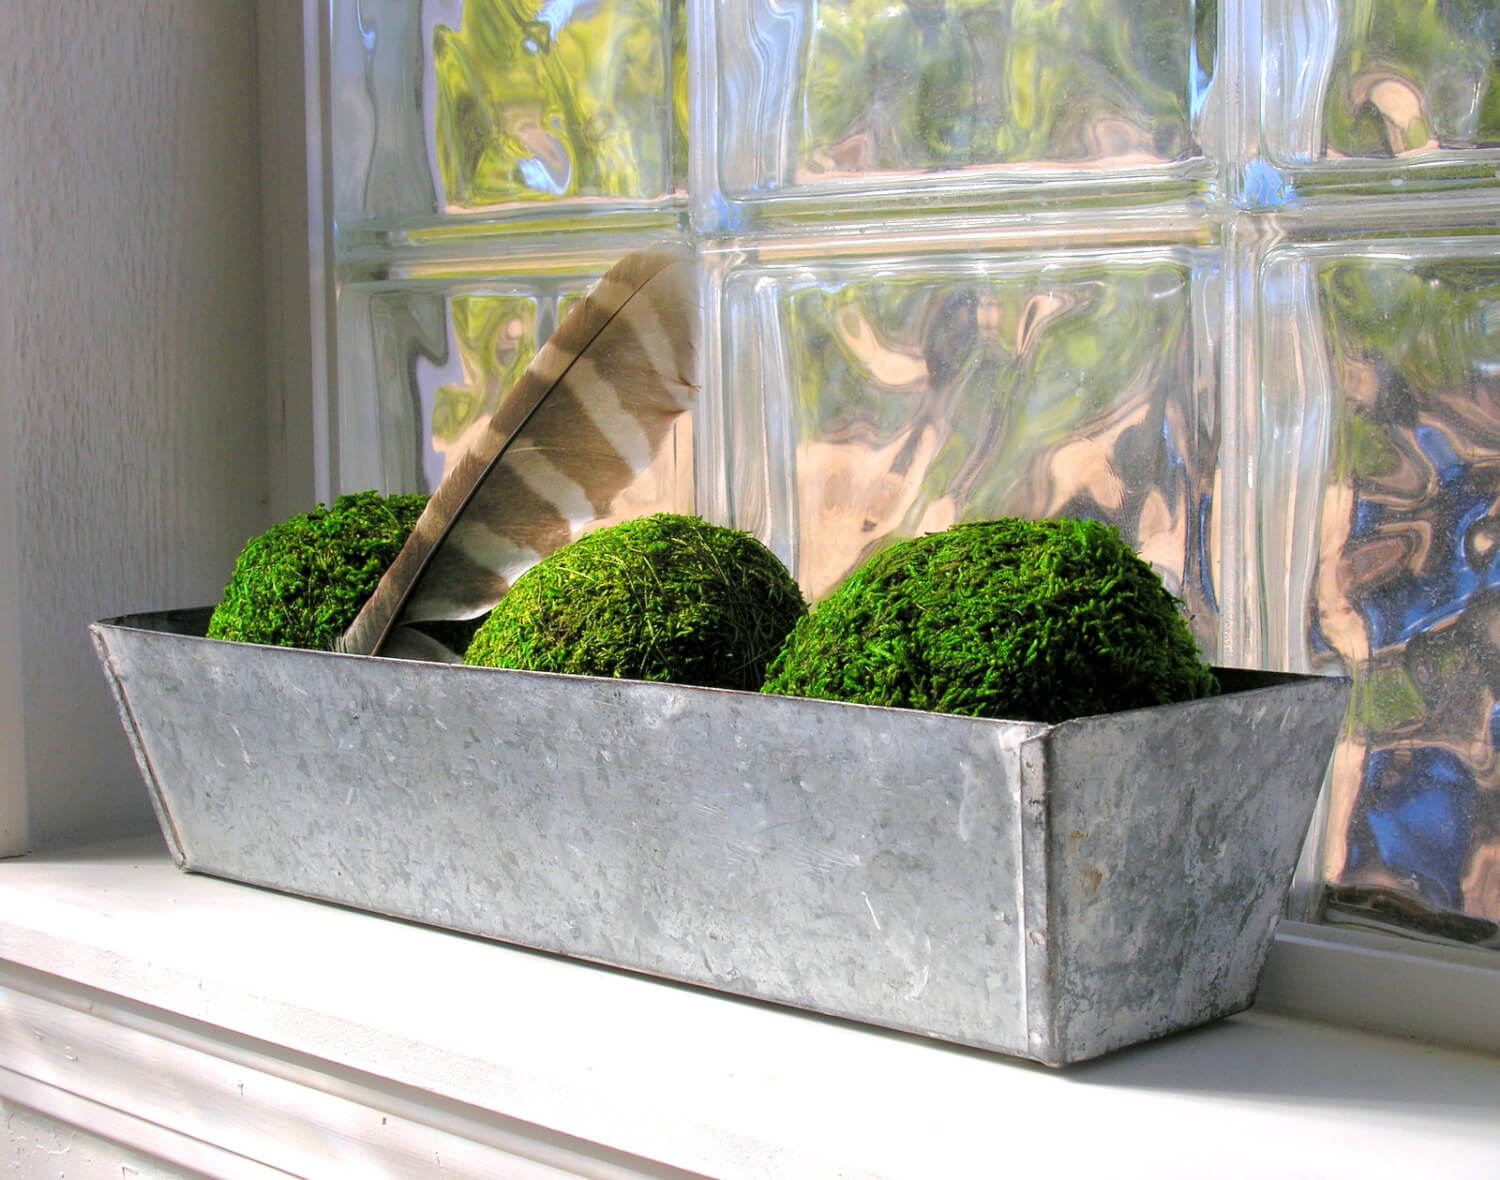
(241, 1032)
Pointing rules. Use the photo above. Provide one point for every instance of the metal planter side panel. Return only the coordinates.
(1172, 835)
(855, 861)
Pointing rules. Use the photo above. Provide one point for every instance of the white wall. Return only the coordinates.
(132, 373)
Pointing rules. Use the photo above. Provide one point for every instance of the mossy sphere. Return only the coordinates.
(300, 583)
(1024, 620)
(665, 597)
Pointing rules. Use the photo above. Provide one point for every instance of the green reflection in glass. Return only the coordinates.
(496, 338)
(561, 100)
(934, 85)
(920, 399)
(1414, 76)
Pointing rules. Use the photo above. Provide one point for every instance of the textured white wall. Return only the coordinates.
(133, 361)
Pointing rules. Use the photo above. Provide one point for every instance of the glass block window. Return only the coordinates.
(1223, 274)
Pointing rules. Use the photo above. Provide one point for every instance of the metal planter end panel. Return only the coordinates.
(855, 861)
(1172, 836)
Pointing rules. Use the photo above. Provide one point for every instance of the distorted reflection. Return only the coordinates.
(492, 337)
(921, 85)
(1407, 77)
(576, 99)
(495, 339)
(920, 398)
(385, 333)
(1408, 594)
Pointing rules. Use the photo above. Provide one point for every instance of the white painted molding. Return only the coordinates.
(1441, 995)
(364, 1044)
(255, 1110)
(41, 1146)
(134, 1134)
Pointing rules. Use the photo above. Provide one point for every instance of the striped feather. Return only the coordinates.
(588, 416)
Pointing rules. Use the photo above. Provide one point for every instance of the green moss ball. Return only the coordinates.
(1024, 620)
(301, 583)
(665, 597)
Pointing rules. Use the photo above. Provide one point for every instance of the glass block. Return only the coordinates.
(473, 110)
(1378, 507)
(1376, 93)
(426, 359)
(880, 396)
(808, 99)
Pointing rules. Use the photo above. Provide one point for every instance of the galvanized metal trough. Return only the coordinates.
(1047, 891)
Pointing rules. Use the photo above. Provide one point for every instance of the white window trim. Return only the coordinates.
(315, 1040)
(1437, 994)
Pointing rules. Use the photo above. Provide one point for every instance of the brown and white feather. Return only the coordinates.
(589, 415)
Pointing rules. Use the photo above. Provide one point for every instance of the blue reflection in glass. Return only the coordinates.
(535, 175)
(1415, 602)
(1435, 446)
(1262, 186)
(1317, 640)
(1205, 554)
(557, 13)
(1417, 808)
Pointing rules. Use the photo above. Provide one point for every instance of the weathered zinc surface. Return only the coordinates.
(1047, 891)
